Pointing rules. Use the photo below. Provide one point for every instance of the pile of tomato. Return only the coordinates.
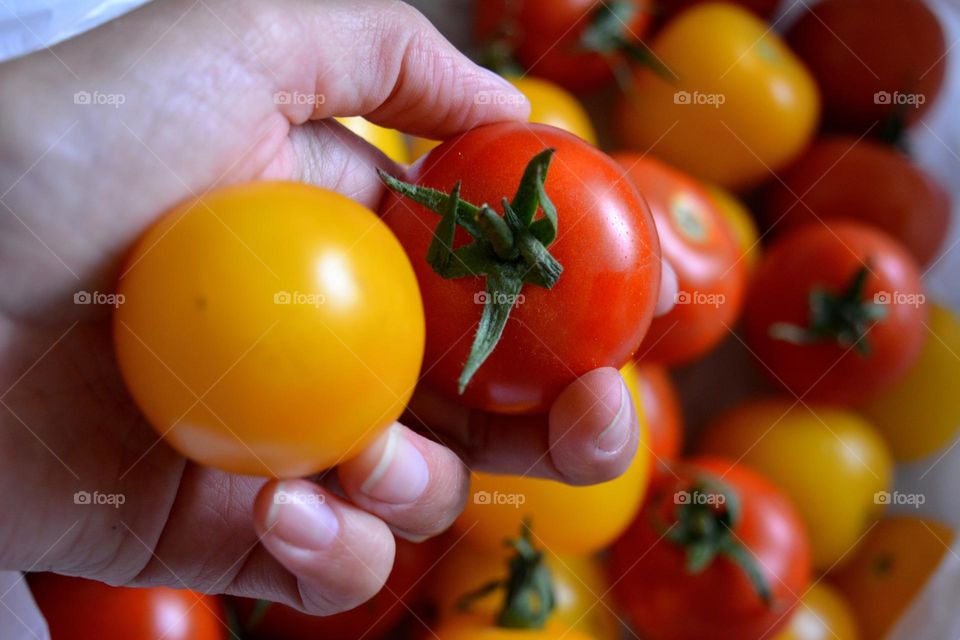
(767, 167)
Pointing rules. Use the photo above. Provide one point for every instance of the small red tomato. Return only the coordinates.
(879, 63)
(716, 551)
(843, 177)
(596, 312)
(836, 312)
(574, 43)
(79, 609)
(658, 405)
(699, 245)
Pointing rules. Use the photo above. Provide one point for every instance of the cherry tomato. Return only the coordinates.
(574, 43)
(823, 614)
(711, 538)
(842, 177)
(874, 60)
(657, 402)
(809, 453)
(389, 141)
(248, 308)
(741, 224)
(888, 570)
(700, 247)
(763, 8)
(835, 313)
(372, 620)
(925, 395)
(596, 313)
(483, 627)
(733, 105)
(79, 609)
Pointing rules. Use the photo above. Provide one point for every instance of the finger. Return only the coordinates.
(414, 484)
(590, 434)
(668, 289)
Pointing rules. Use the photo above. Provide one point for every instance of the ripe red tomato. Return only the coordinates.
(711, 537)
(876, 61)
(817, 330)
(79, 609)
(372, 620)
(575, 43)
(597, 312)
(843, 177)
(698, 243)
(658, 407)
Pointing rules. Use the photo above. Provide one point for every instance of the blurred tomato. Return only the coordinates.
(823, 614)
(741, 224)
(79, 609)
(734, 106)
(829, 461)
(389, 141)
(763, 8)
(484, 627)
(835, 313)
(926, 395)
(843, 177)
(876, 61)
(657, 402)
(699, 245)
(889, 568)
(716, 547)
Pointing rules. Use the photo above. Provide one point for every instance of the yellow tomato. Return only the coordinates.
(477, 627)
(741, 224)
(270, 328)
(823, 614)
(889, 568)
(734, 102)
(830, 461)
(921, 413)
(389, 141)
(419, 146)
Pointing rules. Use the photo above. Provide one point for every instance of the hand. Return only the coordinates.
(182, 101)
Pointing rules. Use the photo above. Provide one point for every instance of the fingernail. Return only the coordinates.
(617, 433)
(302, 518)
(401, 474)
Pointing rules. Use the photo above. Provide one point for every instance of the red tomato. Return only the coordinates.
(575, 43)
(843, 177)
(596, 313)
(372, 620)
(676, 570)
(875, 61)
(658, 405)
(698, 243)
(79, 609)
(847, 353)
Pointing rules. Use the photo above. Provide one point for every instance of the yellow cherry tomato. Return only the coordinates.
(419, 146)
(741, 224)
(889, 568)
(823, 614)
(733, 104)
(920, 415)
(389, 141)
(830, 461)
(483, 627)
(270, 328)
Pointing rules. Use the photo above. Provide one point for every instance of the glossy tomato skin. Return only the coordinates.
(79, 609)
(841, 177)
(823, 615)
(389, 141)
(657, 402)
(859, 48)
(546, 37)
(664, 601)
(264, 300)
(818, 256)
(698, 243)
(594, 316)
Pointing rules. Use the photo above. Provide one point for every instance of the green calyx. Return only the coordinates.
(528, 588)
(608, 35)
(844, 317)
(704, 527)
(508, 250)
